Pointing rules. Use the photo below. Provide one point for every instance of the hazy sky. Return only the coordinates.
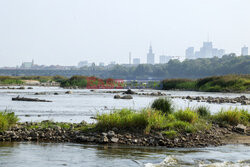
(68, 31)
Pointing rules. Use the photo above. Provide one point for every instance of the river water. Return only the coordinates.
(82, 105)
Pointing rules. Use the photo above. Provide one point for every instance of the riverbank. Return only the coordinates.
(159, 125)
(62, 132)
(226, 83)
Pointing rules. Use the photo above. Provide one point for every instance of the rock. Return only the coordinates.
(68, 92)
(114, 140)
(117, 97)
(129, 91)
(245, 102)
(243, 97)
(188, 97)
(240, 128)
(55, 93)
(110, 134)
(127, 97)
(29, 88)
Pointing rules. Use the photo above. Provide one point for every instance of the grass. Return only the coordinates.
(226, 83)
(7, 119)
(49, 124)
(203, 111)
(163, 104)
(186, 115)
(232, 117)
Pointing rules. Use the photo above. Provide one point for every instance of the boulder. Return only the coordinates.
(68, 92)
(117, 97)
(240, 128)
(129, 91)
(127, 97)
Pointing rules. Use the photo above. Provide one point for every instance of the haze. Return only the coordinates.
(68, 31)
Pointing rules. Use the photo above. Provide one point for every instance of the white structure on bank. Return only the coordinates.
(244, 51)
(27, 65)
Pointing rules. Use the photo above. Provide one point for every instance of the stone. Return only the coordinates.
(117, 97)
(68, 92)
(114, 140)
(127, 97)
(111, 134)
(241, 128)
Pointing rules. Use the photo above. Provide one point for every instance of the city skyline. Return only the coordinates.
(64, 32)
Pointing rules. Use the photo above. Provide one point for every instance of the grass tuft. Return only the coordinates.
(163, 104)
(7, 119)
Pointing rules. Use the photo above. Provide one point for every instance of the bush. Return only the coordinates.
(7, 119)
(163, 104)
(127, 119)
(186, 115)
(170, 134)
(203, 111)
(232, 117)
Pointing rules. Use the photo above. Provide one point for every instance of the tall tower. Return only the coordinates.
(129, 57)
(150, 56)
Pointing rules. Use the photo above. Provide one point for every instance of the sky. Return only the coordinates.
(65, 32)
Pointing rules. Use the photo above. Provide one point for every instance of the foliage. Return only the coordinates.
(227, 83)
(6, 80)
(127, 119)
(232, 117)
(7, 119)
(203, 111)
(186, 115)
(163, 104)
(49, 124)
(186, 84)
(170, 133)
(79, 81)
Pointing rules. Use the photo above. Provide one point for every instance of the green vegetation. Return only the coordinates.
(49, 124)
(186, 115)
(79, 81)
(203, 111)
(6, 80)
(170, 134)
(232, 117)
(163, 104)
(19, 80)
(227, 83)
(7, 119)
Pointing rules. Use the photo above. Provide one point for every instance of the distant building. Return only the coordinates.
(27, 65)
(190, 53)
(206, 51)
(83, 64)
(129, 57)
(164, 59)
(150, 56)
(244, 51)
(101, 64)
(136, 61)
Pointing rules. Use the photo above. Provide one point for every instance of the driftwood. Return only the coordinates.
(28, 99)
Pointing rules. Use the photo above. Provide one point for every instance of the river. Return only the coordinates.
(82, 105)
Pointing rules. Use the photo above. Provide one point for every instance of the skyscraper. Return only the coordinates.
(150, 56)
(244, 51)
(190, 53)
(136, 61)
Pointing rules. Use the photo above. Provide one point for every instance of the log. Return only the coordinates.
(29, 99)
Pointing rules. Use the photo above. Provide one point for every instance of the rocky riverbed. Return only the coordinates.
(72, 133)
(243, 100)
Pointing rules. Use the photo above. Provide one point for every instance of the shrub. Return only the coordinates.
(186, 115)
(232, 117)
(7, 119)
(203, 111)
(170, 134)
(127, 119)
(163, 104)
(180, 126)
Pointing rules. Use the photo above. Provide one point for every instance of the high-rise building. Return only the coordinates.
(129, 57)
(136, 61)
(83, 64)
(244, 51)
(190, 53)
(150, 56)
(207, 51)
(162, 59)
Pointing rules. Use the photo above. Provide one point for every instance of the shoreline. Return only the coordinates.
(67, 132)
